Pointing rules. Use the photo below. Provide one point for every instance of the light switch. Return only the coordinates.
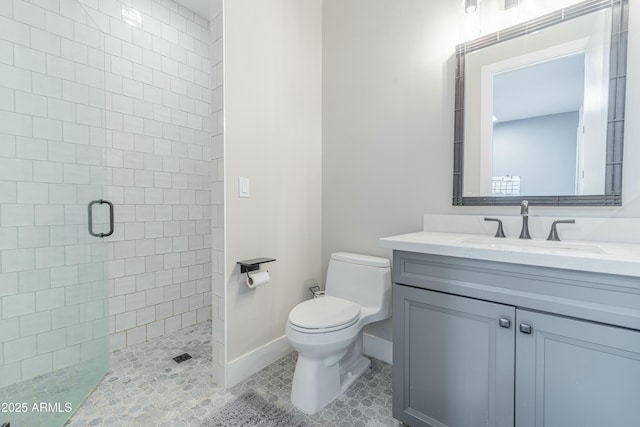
(243, 187)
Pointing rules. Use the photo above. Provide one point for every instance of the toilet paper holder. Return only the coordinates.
(253, 264)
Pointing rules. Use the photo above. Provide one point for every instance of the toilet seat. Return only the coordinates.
(325, 314)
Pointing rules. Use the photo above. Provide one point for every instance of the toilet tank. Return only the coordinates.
(363, 279)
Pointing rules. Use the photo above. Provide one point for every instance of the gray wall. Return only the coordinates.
(386, 119)
(388, 71)
(541, 150)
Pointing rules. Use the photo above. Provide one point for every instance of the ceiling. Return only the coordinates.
(201, 7)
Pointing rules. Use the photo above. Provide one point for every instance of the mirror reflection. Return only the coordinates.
(536, 142)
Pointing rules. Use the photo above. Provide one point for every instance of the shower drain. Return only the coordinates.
(182, 357)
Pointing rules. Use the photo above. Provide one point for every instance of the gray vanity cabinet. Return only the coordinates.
(480, 343)
(576, 373)
(453, 362)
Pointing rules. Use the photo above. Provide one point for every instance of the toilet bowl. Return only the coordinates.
(327, 331)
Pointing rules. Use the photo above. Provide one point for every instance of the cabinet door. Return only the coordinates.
(453, 362)
(573, 373)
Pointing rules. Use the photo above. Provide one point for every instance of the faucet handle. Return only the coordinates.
(500, 231)
(553, 234)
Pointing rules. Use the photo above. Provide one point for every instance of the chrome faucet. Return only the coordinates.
(524, 211)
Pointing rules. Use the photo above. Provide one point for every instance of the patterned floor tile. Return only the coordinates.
(145, 387)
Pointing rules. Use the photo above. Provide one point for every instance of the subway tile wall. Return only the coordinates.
(53, 311)
(158, 125)
(140, 106)
(217, 195)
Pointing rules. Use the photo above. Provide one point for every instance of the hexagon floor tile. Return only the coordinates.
(145, 387)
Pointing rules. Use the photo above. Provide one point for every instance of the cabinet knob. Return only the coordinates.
(525, 328)
(504, 322)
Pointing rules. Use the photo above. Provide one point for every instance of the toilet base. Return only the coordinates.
(315, 384)
(357, 369)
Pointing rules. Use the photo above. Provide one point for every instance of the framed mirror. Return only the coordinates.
(539, 110)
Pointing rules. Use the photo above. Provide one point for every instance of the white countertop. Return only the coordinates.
(598, 257)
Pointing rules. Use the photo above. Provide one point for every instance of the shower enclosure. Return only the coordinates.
(53, 258)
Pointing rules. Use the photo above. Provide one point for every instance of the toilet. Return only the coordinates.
(327, 331)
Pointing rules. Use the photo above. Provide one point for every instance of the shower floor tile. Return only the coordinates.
(146, 387)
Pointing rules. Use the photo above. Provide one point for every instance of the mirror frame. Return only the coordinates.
(615, 120)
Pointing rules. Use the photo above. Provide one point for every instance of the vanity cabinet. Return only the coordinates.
(453, 363)
(481, 343)
(576, 373)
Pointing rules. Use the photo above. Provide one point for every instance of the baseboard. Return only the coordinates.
(244, 366)
(377, 347)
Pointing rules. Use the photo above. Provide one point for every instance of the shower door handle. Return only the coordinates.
(100, 202)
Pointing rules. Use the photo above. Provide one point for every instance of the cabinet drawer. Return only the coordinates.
(597, 297)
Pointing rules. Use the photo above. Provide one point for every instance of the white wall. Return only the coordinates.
(273, 137)
(388, 120)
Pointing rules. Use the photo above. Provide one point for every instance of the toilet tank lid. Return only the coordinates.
(371, 261)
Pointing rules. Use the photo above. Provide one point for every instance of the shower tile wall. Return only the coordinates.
(53, 130)
(158, 125)
(217, 193)
(52, 300)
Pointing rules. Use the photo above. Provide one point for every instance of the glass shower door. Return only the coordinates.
(53, 293)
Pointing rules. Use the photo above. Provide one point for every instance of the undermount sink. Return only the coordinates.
(534, 245)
